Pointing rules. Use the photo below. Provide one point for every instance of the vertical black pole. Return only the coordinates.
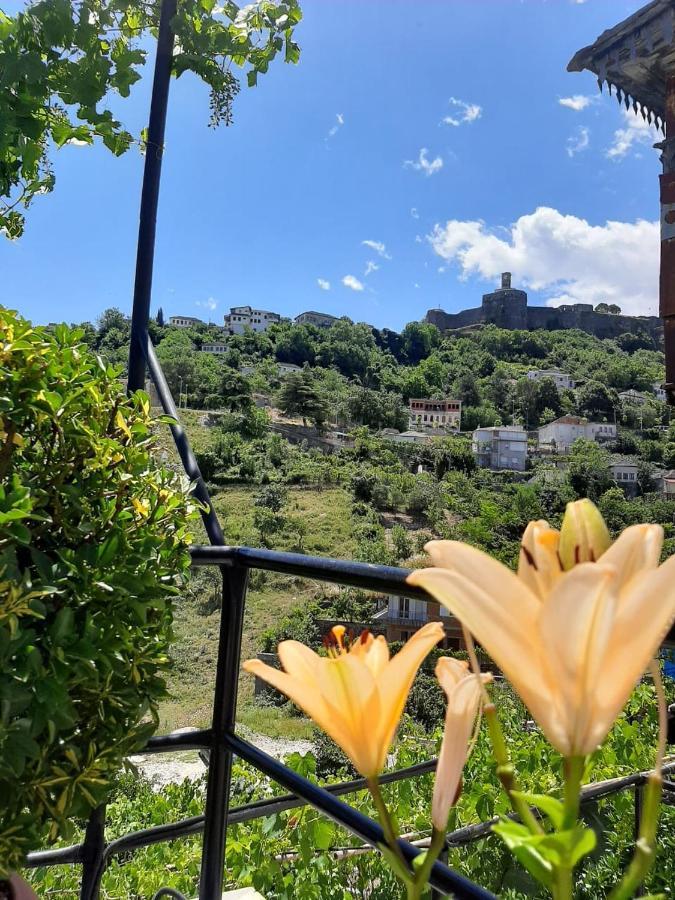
(224, 713)
(93, 850)
(145, 252)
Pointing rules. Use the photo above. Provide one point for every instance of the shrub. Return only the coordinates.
(92, 548)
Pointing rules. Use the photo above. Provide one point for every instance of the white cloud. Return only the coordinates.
(340, 121)
(418, 239)
(370, 267)
(323, 284)
(637, 131)
(562, 256)
(352, 283)
(207, 304)
(578, 142)
(577, 102)
(414, 213)
(378, 247)
(466, 113)
(424, 164)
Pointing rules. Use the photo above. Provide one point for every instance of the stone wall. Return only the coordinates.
(507, 308)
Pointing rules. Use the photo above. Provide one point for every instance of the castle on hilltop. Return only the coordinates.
(507, 308)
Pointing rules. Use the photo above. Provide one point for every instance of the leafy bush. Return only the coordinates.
(92, 548)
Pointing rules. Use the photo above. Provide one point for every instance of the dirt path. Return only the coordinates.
(173, 768)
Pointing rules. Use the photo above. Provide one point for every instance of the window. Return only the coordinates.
(403, 608)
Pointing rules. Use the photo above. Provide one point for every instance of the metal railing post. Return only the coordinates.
(223, 721)
(93, 855)
(145, 253)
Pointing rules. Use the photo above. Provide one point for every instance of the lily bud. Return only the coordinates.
(583, 536)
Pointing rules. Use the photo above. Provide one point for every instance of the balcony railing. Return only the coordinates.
(220, 738)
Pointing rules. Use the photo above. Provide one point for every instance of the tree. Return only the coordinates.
(59, 57)
(299, 396)
(419, 339)
(177, 358)
(235, 390)
(588, 473)
(597, 401)
(160, 317)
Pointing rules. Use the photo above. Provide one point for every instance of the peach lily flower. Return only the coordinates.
(356, 694)
(463, 692)
(572, 636)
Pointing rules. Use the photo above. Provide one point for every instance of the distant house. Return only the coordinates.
(184, 321)
(560, 434)
(425, 413)
(241, 318)
(668, 484)
(214, 347)
(501, 447)
(624, 471)
(659, 391)
(410, 437)
(402, 617)
(633, 396)
(319, 319)
(283, 368)
(562, 380)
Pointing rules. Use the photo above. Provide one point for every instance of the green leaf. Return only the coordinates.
(523, 845)
(550, 806)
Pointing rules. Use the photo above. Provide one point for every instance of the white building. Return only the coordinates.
(214, 347)
(559, 435)
(424, 413)
(242, 317)
(409, 437)
(633, 396)
(319, 319)
(659, 391)
(283, 368)
(624, 471)
(184, 321)
(501, 447)
(562, 380)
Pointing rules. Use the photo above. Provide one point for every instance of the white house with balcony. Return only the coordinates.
(428, 414)
(241, 318)
(633, 397)
(184, 321)
(659, 391)
(559, 435)
(500, 447)
(214, 347)
(318, 319)
(563, 381)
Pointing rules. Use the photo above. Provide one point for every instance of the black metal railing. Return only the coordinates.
(220, 739)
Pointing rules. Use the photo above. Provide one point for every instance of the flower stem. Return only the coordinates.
(573, 770)
(401, 866)
(505, 771)
(416, 889)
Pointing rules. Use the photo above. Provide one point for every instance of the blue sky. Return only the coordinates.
(352, 146)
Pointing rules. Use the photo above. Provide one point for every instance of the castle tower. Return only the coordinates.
(505, 307)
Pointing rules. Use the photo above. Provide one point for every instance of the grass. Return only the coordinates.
(326, 515)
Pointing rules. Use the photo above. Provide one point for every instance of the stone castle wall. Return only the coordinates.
(507, 308)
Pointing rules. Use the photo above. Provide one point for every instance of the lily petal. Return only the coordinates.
(393, 685)
(298, 660)
(575, 628)
(463, 700)
(539, 564)
(642, 621)
(309, 699)
(636, 549)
